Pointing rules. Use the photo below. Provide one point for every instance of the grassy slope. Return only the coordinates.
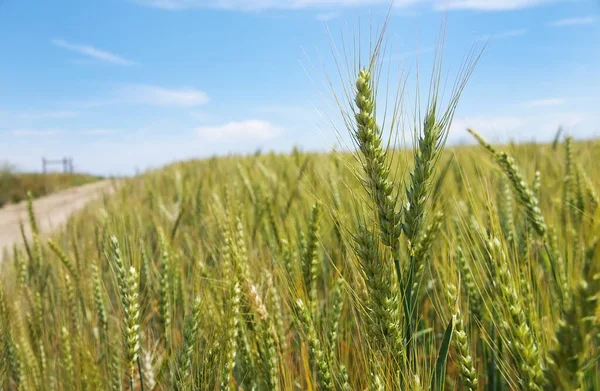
(231, 229)
(14, 186)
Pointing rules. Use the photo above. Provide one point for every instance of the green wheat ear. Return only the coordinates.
(186, 351)
(574, 335)
(376, 168)
(525, 196)
(131, 309)
(310, 260)
(568, 181)
(468, 372)
(31, 214)
(99, 298)
(67, 358)
(590, 191)
(270, 356)
(164, 287)
(337, 304)
(274, 298)
(318, 357)
(65, 259)
(231, 334)
(384, 318)
(523, 341)
(22, 269)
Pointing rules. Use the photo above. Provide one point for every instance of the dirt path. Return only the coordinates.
(51, 211)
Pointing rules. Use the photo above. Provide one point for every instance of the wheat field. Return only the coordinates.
(377, 268)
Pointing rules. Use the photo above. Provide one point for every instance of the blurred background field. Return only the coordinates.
(14, 185)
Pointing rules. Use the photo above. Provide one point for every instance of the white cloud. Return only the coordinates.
(185, 97)
(257, 5)
(37, 132)
(98, 132)
(489, 5)
(545, 102)
(164, 4)
(201, 116)
(327, 16)
(240, 130)
(91, 51)
(161, 96)
(505, 34)
(46, 114)
(410, 54)
(496, 128)
(577, 21)
(539, 127)
(290, 111)
(28, 114)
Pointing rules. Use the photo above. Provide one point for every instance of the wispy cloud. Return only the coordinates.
(290, 111)
(98, 132)
(37, 132)
(161, 96)
(46, 114)
(240, 130)
(185, 97)
(539, 127)
(32, 114)
(201, 116)
(576, 21)
(257, 5)
(505, 34)
(47, 132)
(171, 5)
(327, 16)
(405, 55)
(490, 126)
(489, 5)
(93, 52)
(545, 102)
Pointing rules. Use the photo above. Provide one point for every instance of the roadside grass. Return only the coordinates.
(15, 185)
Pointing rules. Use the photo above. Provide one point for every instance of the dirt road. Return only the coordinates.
(51, 211)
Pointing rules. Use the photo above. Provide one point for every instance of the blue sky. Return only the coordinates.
(124, 85)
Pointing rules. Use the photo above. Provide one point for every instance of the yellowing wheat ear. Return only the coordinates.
(468, 372)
